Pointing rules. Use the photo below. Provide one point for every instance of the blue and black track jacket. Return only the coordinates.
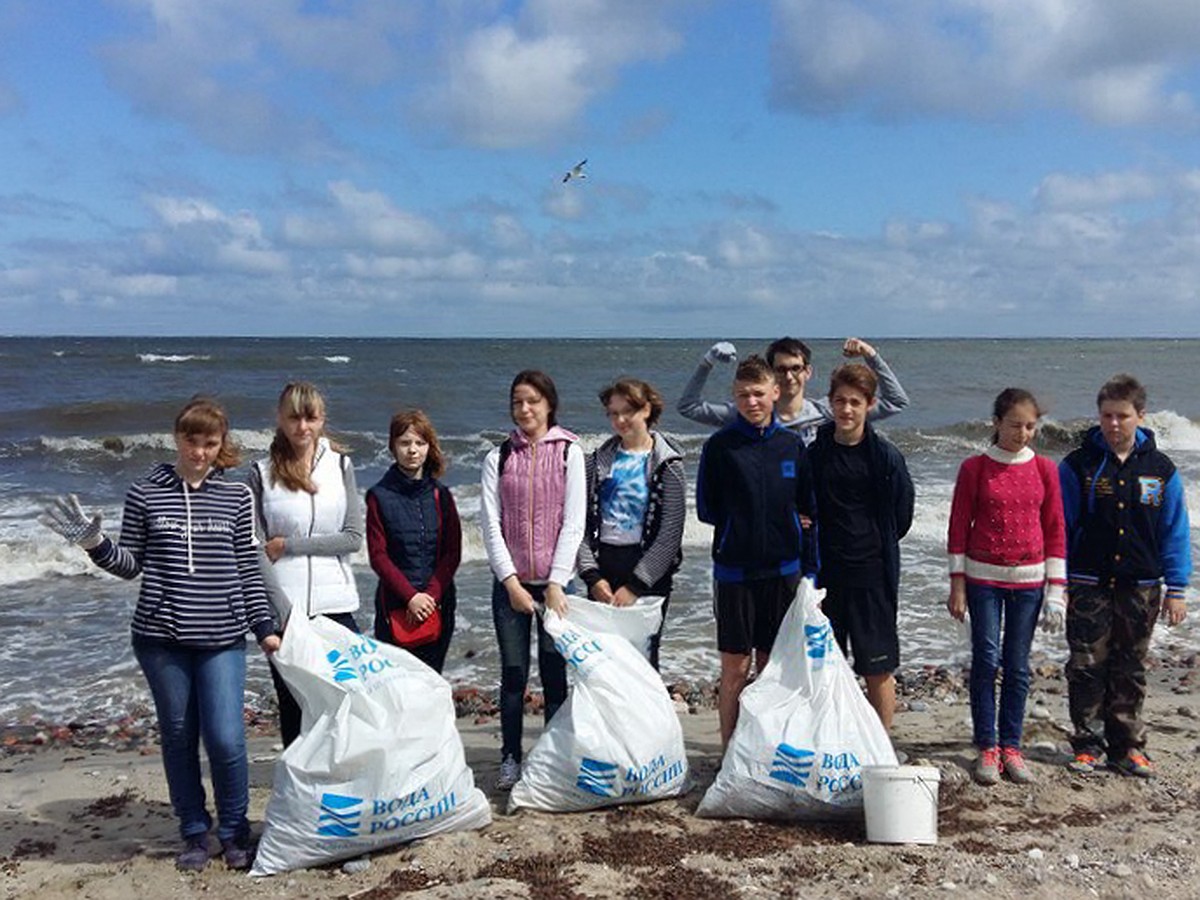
(752, 487)
(1126, 522)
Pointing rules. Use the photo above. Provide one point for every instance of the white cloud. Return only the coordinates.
(524, 80)
(742, 246)
(457, 266)
(564, 202)
(362, 217)
(1114, 63)
(230, 70)
(1080, 251)
(1059, 191)
(199, 236)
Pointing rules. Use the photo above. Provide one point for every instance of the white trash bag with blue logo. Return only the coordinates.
(636, 623)
(617, 738)
(804, 731)
(379, 760)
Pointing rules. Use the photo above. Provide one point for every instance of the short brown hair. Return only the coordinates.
(435, 463)
(204, 415)
(754, 369)
(855, 376)
(1123, 388)
(639, 393)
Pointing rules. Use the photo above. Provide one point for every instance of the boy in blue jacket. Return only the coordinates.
(1127, 536)
(754, 488)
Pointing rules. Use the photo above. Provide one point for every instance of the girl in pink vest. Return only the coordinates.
(534, 507)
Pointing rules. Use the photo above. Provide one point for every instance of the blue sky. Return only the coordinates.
(814, 167)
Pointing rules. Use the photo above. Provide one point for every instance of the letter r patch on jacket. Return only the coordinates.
(1152, 490)
(788, 468)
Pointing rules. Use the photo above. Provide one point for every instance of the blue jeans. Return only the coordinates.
(1017, 610)
(198, 694)
(512, 633)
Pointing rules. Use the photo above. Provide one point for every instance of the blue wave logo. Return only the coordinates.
(343, 668)
(596, 777)
(792, 765)
(341, 816)
(817, 639)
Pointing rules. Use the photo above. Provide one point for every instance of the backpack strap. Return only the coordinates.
(506, 448)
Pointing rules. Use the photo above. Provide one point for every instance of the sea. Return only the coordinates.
(90, 415)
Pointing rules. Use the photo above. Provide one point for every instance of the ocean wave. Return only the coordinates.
(173, 357)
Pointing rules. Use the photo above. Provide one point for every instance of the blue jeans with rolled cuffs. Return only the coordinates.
(198, 695)
(1003, 621)
(513, 636)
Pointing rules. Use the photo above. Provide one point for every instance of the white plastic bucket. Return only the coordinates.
(901, 804)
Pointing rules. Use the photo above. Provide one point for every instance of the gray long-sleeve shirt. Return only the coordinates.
(892, 399)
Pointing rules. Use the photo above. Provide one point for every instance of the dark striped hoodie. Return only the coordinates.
(196, 552)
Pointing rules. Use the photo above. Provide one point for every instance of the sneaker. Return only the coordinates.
(1083, 764)
(194, 855)
(1134, 764)
(238, 854)
(1014, 766)
(510, 774)
(987, 767)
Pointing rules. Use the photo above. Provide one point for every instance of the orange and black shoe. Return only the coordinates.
(1084, 763)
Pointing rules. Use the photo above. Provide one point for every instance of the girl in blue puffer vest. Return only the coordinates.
(414, 539)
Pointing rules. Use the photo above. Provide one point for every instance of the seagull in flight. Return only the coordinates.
(576, 172)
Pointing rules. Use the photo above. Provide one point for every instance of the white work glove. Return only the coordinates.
(66, 517)
(1054, 614)
(721, 351)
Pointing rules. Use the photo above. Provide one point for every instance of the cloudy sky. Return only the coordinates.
(819, 167)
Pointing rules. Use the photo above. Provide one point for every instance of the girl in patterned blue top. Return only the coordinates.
(636, 504)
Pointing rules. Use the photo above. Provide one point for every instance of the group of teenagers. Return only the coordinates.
(794, 486)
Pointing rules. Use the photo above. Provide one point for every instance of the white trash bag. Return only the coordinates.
(804, 732)
(637, 623)
(617, 738)
(379, 760)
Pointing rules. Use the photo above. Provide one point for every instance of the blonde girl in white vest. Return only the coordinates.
(310, 521)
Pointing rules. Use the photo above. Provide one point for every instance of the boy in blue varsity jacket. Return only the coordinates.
(1127, 536)
(754, 488)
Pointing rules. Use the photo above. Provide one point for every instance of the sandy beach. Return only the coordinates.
(84, 818)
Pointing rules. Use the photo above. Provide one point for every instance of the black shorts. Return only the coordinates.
(749, 612)
(866, 616)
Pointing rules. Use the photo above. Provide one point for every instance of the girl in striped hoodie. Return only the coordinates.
(189, 534)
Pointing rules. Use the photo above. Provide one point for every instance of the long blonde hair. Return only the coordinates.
(303, 399)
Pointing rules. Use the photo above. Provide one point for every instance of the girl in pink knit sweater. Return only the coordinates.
(1007, 548)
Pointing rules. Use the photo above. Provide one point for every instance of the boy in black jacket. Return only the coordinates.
(865, 505)
(753, 487)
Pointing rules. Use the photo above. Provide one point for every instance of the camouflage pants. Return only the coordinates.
(1108, 632)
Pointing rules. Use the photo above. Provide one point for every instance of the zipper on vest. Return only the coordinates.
(531, 562)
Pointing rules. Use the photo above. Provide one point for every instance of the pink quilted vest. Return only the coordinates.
(532, 492)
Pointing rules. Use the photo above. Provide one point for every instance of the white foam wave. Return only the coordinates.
(1173, 431)
(30, 560)
(124, 445)
(172, 357)
(337, 359)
